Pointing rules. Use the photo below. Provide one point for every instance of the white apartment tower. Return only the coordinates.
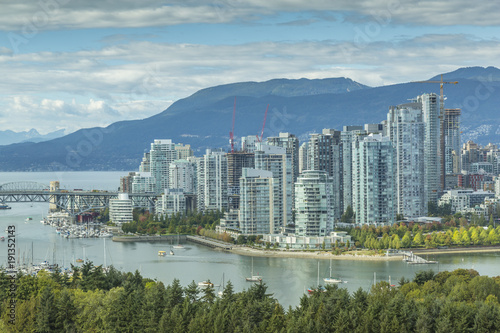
(259, 203)
(162, 153)
(373, 180)
(182, 176)
(314, 215)
(349, 136)
(432, 161)
(405, 128)
(212, 181)
(276, 160)
(325, 154)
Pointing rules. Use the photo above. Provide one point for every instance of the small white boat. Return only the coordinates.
(253, 278)
(171, 252)
(330, 279)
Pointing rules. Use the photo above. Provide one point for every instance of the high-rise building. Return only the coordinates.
(279, 162)
(406, 128)
(143, 182)
(451, 139)
(373, 180)
(212, 181)
(162, 153)
(469, 155)
(182, 176)
(126, 182)
(120, 209)
(172, 202)
(325, 154)
(235, 163)
(248, 143)
(183, 151)
(432, 161)
(145, 163)
(291, 143)
(303, 157)
(314, 215)
(349, 136)
(259, 212)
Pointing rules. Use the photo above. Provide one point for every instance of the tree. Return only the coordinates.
(406, 241)
(46, 311)
(418, 239)
(348, 215)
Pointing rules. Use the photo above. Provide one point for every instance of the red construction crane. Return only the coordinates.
(259, 139)
(231, 134)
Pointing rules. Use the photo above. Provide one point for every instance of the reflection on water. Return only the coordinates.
(287, 278)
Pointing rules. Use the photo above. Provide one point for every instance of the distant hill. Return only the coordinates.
(297, 106)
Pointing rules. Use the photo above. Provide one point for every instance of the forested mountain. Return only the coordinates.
(301, 107)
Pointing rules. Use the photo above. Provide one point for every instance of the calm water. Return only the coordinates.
(286, 278)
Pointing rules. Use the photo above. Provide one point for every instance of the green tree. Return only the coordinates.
(418, 239)
(406, 241)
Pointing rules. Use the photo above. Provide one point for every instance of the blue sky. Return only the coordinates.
(72, 64)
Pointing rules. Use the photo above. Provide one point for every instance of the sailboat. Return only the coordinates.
(330, 279)
(220, 293)
(318, 288)
(253, 278)
(178, 246)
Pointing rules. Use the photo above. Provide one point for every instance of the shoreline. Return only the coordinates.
(247, 251)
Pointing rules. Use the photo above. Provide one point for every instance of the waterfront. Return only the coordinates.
(287, 278)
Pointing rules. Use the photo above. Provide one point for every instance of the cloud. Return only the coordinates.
(31, 17)
(140, 79)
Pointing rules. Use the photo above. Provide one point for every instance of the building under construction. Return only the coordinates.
(452, 140)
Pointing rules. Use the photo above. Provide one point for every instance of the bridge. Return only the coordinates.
(74, 202)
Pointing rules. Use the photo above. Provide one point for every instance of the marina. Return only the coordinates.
(287, 279)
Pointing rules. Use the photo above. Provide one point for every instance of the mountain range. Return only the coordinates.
(301, 107)
(9, 137)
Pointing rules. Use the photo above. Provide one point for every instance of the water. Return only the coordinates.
(286, 278)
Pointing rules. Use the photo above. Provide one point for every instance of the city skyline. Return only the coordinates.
(73, 65)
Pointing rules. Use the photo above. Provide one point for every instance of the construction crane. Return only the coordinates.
(231, 134)
(259, 139)
(441, 134)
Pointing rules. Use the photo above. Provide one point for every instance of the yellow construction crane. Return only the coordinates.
(441, 117)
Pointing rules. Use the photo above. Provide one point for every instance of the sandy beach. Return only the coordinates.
(248, 251)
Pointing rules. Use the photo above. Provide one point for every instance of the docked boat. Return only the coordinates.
(253, 278)
(171, 252)
(79, 260)
(5, 206)
(162, 253)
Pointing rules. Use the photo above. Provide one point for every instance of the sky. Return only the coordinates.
(71, 64)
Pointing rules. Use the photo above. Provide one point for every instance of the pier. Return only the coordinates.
(413, 259)
(210, 242)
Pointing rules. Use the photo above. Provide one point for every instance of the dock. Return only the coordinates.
(213, 243)
(413, 259)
